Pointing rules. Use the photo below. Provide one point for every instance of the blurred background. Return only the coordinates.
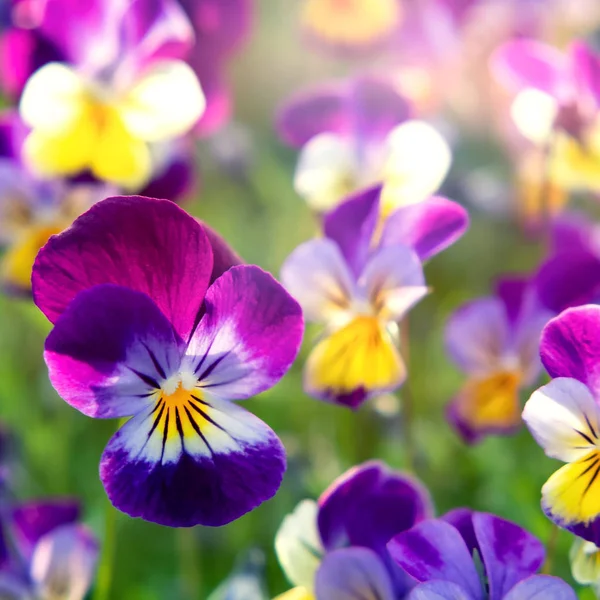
(246, 193)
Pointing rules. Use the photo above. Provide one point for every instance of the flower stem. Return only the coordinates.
(107, 561)
(189, 559)
(551, 549)
(407, 400)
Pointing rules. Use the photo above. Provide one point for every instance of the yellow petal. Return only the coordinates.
(572, 494)
(54, 154)
(17, 263)
(119, 157)
(575, 165)
(298, 593)
(361, 355)
(490, 402)
(352, 21)
(166, 103)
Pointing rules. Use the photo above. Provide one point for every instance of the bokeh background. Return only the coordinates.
(246, 193)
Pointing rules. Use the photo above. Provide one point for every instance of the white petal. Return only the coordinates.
(393, 281)
(317, 276)
(563, 418)
(326, 171)
(164, 104)
(418, 160)
(585, 563)
(533, 113)
(298, 545)
(53, 98)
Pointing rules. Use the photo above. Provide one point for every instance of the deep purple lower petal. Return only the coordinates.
(181, 475)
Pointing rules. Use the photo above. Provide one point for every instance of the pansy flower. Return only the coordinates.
(585, 563)
(494, 340)
(564, 418)
(221, 27)
(55, 556)
(348, 529)
(439, 553)
(556, 107)
(352, 26)
(359, 281)
(151, 323)
(356, 134)
(31, 210)
(116, 85)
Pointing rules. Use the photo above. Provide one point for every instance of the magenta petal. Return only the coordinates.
(33, 520)
(530, 64)
(234, 464)
(585, 66)
(320, 110)
(216, 93)
(248, 337)
(376, 107)
(541, 587)
(510, 554)
(428, 227)
(434, 549)
(573, 231)
(351, 226)
(110, 351)
(224, 256)
(148, 245)
(353, 574)
(570, 346)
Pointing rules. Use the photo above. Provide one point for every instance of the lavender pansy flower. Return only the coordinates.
(347, 530)
(494, 341)
(439, 554)
(152, 322)
(31, 210)
(359, 281)
(564, 418)
(56, 556)
(117, 86)
(357, 133)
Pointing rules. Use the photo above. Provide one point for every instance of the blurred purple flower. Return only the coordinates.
(494, 341)
(153, 321)
(360, 280)
(439, 554)
(355, 518)
(56, 556)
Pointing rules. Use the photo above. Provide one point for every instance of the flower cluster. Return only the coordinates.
(425, 193)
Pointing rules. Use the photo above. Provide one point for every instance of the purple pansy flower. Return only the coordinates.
(152, 321)
(360, 280)
(355, 134)
(564, 418)
(438, 553)
(494, 341)
(55, 555)
(557, 103)
(348, 530)
(113, 86)
(31, 210)
(221, 27)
